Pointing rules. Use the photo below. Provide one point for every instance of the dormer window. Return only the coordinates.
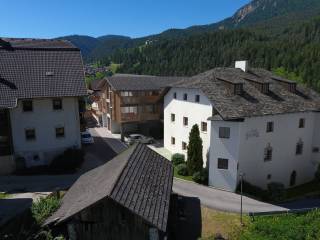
(238, 89)
(185, 97)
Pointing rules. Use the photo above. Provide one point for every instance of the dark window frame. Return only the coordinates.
(60, 105)
(173, 117)
(28, 136)
(184, 146)
(268, 152)
(197, 98)
(270, 127)
(173, 141)
(175, 95)
(223, 164)
(27, 108)
(185, 121)
(204, 126)
(224, 132)
(185, 97)
(299, 148)
(302, 122)
(59, 135)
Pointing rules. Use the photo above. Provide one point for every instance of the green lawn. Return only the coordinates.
(188, 178)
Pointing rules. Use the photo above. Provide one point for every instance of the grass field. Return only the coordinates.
(4, 195)
(176, 175)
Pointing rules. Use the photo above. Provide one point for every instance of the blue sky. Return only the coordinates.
(135, 18)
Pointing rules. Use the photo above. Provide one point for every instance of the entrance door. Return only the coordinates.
(293, 178)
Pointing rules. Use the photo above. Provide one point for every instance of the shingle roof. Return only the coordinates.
(39, 68)
(252, 102)
(139, 179)
(130, 82)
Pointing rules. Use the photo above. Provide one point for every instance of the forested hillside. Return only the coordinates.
(296, 49)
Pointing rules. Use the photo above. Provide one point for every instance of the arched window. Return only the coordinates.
(293, 178)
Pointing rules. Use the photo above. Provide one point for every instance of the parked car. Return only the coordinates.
(139, 138)
(86, 138)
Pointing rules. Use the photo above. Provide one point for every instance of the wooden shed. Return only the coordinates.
(126, 198)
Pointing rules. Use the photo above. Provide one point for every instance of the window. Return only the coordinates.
(223, 163)
(315, 149)
(185, 97)
(197, 99)
(204, 126)
(175, 95)
(184, 146)
(57, 104)
(224, 132)
(269, 176)
(301, 123)
(59, 132)
(185, 121)
(150, 108)
(269, 127)
(299, 147)
(173, 141)
(126, 94)
(268, 153)
(30, 134)
(27, 106)
(173, 117)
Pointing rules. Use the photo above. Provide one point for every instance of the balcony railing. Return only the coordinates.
(139, 100)
(137, 117)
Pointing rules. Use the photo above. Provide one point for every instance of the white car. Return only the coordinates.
(86, 138)
(139, 138)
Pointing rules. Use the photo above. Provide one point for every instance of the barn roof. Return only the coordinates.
(139, 179)
(35, 68)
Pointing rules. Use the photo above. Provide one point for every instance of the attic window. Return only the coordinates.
(289, 85)
(49, 73)
(238, 88)
(263, 87)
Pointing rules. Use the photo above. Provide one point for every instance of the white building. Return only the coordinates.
(259, 125)
(41, 82)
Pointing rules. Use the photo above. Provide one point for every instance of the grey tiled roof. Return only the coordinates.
(252, 102)
(130, 82)
(39, 68)
(139, 179)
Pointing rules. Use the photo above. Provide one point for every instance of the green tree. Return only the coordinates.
(194, 160)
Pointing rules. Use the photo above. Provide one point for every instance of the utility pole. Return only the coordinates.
(241, 194)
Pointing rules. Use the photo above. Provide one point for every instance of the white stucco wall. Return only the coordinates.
(196, 113)
(247, 145)
(44, 120)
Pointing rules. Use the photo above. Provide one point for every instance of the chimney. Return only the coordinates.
(243, 65)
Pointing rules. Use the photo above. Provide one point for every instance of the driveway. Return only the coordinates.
(221, 200)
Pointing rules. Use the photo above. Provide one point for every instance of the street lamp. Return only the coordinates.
(241, 175)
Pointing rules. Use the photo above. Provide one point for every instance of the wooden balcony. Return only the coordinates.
(139, 117)
(138, 100)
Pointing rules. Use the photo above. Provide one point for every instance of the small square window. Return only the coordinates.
(175, 95)
(299, 148)
(185, 121)
(301, 123)
(173, 117)
(197, 98)
(57, 104)
(184, 146)
(59, 132)
(269, 127)
(27, 106)
(185, 97)
(30, 134)
(173, 141)
(223, 163)
(204, 127)
(224, 132)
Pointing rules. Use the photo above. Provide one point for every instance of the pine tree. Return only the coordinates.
(194, 160)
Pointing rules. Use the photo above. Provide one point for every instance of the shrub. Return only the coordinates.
(195, 160)
(276, 191)
(201, 176)
(44, 208)
(182, 169)
(67, 162)
(317, 175)
(177, 159)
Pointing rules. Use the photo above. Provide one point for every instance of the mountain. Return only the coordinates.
(273, 16)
